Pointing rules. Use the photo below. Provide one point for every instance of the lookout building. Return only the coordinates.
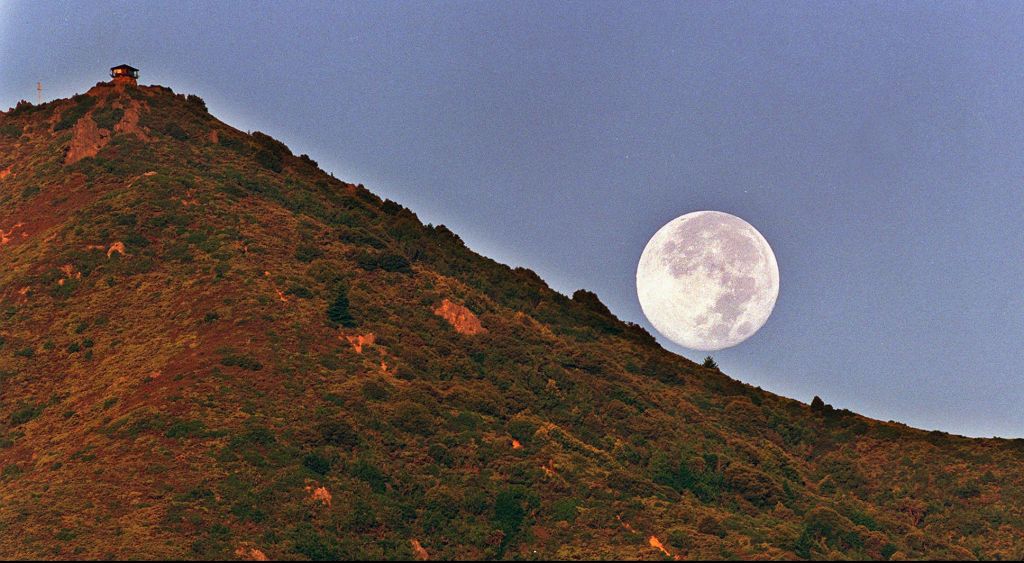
(124, 74)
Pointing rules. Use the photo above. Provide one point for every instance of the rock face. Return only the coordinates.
(86, 140)
(462, 319)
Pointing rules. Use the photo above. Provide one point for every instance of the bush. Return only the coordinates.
(564, 509)
(173, 130)
(25, 414)
(108, 117)
(10, 130)
(245, 362)
(522, 429)
(337, 433)
(316, 463)
(308, 252)
(269, 160)
(185, 429)
(709, 363)
(679, 538)
(71, 115)
(369, 473)
(413, 418)
(753, 485)
(710, 525)
(196, 101)
(338, 313)
(825, 524)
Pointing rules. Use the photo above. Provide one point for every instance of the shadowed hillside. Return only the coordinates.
(209, 348)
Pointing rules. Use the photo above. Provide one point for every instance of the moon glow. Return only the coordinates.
(707, 280)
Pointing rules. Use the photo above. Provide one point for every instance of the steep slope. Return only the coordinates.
(211, 349)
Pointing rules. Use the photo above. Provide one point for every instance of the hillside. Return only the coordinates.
(209, 348)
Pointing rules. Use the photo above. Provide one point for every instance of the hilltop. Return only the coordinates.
(209, 348)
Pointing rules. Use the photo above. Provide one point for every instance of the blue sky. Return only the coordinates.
(879, 147)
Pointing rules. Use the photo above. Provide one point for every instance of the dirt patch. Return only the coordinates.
(418, 551)
(7, 236)
(462, 319)
(6, 172)
(117, 247)
(319, 494)
(359, 341)
(70, 273)
(250, 554)
(653, 542)
(516, 444)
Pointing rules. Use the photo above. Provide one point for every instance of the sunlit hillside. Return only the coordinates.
(209, 348)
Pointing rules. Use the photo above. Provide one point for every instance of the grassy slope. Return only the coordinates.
(190, 397)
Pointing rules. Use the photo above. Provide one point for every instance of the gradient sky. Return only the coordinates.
(879, 147)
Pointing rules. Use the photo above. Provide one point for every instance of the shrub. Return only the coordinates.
(522, 429)
(245, 362)
(337, 433)
(269, 160)
(564, 509)
(316, 463)
(196, 101)
(25, 414)
(299, 291)
(11, 130)
(679, 538)
(413, 418)
(338, 313)
(308, 252)
(826, 525)
(108, 117)
(753, 485)
(173, 130)
(71, 115)
(710, 525)
(185, 429)
(709, 363)
(369, 473)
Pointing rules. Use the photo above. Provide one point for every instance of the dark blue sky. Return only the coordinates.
(879, 147)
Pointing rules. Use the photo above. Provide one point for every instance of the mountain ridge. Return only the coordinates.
(210, 348)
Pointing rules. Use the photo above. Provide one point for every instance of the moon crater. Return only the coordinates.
(707, 280)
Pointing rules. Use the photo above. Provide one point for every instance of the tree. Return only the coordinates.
(338, 312)
(710, 363)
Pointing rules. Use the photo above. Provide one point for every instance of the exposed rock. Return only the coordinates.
(6, 172)
(130, 121)
(250, 554)
(653, 542)
(462, 319)
(418, 551)
(319, 494)
(86, 140)
(117, 247)
(6, 236)
(359, 341)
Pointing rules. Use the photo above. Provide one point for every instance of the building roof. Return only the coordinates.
(125, 67)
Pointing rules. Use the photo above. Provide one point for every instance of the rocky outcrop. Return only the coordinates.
(86, 140)
(462, 319)
(418, 551)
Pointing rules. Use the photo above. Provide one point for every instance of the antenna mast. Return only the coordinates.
(39, 93)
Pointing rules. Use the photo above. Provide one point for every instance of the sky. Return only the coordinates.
(878, 147)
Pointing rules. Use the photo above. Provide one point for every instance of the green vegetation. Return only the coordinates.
(338, 313)
(196, 395)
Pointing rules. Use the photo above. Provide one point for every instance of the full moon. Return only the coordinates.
(707, 280)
